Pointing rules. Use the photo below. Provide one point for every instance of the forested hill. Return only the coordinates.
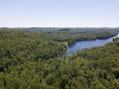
(62, 30)
(71, 35)
(103, 65)
(29, 45)
(30, 60)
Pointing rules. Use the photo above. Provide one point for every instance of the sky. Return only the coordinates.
(59, 13)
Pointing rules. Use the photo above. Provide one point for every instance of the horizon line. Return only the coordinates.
(56, 27)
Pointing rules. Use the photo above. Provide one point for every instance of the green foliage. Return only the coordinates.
(30, 60)
(19, 45)
(71, 37)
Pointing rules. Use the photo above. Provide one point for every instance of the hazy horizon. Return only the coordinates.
(59, 13)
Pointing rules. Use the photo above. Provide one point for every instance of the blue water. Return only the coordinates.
(79, 45)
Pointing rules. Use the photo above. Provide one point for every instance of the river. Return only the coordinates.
(79, 45)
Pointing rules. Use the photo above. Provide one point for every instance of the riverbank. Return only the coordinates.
(79, 45)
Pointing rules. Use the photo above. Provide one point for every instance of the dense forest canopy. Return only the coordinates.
(35, 60)
(71, 35)
(13, 43)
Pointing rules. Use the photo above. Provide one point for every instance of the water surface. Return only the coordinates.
(79, 45)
